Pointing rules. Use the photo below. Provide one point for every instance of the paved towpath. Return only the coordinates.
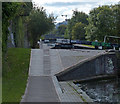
(42, 85)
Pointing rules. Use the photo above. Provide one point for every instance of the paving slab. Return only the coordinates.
(36, 63)
(41, 89)
(73, 56)
(56, 64)
(68, 93)
(42, 85)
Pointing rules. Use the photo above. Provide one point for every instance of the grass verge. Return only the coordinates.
(15, 74)
(91, 46)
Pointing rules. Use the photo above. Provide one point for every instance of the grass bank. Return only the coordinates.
(91, 46)
(15, 74)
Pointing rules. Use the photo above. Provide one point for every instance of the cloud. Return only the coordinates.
(65, 7)
(64, 4)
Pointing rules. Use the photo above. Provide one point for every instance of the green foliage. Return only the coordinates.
(91, 32)
(76, 18)
(19, 30)
(116, 10)
(8, 12)
(61, 29)
(27, 7)
(66, 35)
(80, 17)
(103, 21)
(11, 10)
(39, 24)
(20, 33)
(4, 37)
(15, 74)
(78, 31)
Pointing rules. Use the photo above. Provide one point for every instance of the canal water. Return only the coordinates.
(102, 91)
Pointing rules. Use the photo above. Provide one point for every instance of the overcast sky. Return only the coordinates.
(66, 7)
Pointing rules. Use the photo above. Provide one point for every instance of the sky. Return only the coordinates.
(66, 7)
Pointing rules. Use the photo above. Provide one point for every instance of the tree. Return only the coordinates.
(39, 24)
(78, 31)
(66, 35)
(101, 23)
(11, 10)
(77, 17)
(116, 11)
(61, 29)
(91, 29)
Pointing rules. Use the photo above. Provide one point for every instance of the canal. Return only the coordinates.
(102, 91)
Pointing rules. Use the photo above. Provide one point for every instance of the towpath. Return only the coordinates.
(42, 85)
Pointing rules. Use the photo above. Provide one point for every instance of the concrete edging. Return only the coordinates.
(68, 69)
(22, 99)
(57, 86)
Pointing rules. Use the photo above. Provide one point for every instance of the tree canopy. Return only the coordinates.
(10, 10)
(103, 21)
(78, 19)
(61, 29)
(39, 24)
(78, 31)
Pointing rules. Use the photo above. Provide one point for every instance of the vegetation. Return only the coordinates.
(39, 24)
(15, 74)
(103, 21)
(24, 20)
(78, 31)
(61, 29)
(91, 46)
(74, 24)
(10, 11)
(15, 61)
(66, 34)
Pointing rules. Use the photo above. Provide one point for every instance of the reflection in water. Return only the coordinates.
(103, 91)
